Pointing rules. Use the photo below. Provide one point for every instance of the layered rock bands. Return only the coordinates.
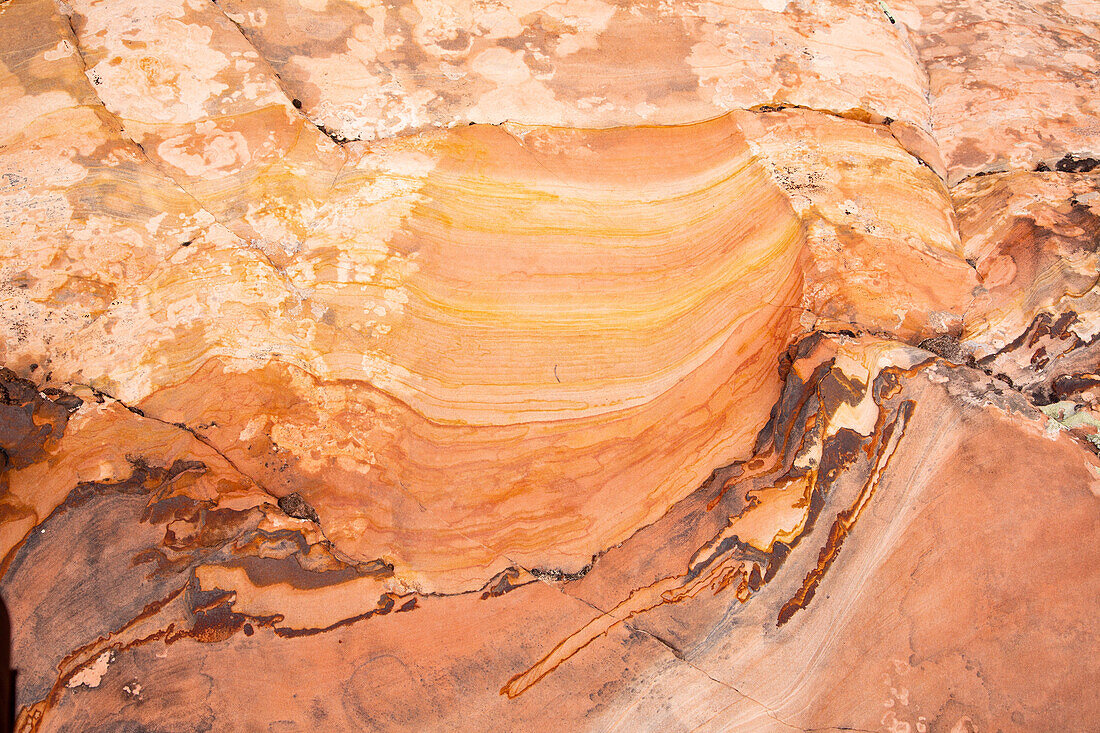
(550, 366)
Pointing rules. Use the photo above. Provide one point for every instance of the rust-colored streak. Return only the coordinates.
(847, 519)
(718, 576)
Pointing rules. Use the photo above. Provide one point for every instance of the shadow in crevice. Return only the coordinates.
(7, 675)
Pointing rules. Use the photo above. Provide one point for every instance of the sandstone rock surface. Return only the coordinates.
(528, 365)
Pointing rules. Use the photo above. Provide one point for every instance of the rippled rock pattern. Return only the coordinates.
(538, 366)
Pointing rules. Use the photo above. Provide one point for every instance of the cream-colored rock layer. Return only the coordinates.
(371, 69)
(883, 251)
(1012, 84)
(516, 344)
(208, 111)
(83, 218)
(106, 258)
(552, 303)
(519, 342)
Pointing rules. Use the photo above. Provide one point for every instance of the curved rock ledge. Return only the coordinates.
(549, 366)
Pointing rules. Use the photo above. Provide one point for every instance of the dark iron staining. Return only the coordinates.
(333, 136)
(213, 619)
(845, 521)
(295, 506)
(387, 603)
(946, 347)
(266, 571)
(1068, 385)
(838, 454)
(1072, 164)
(556, 575)
(30, 420)
(505, 581)
(789, 428)
(1047, 352)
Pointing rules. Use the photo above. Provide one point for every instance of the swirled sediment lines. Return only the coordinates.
(589, 327)
(567, 285)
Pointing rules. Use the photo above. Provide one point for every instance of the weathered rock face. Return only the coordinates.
(1013, 84)
(539, 366)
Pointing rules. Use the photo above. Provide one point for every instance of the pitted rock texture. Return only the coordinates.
(580, 365)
